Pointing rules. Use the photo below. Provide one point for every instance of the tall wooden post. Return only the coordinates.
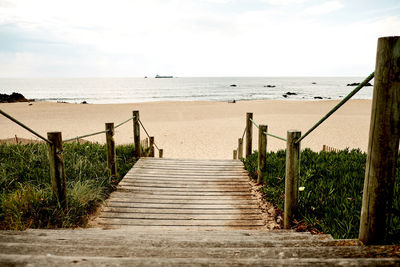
(240, 148)
(160, 153)
(292, 176)
(151, 146)
(136, 133)
(383, 143)
(249, 134)
(235, 154)
(111, 154)
(57, 170)
(262, 152)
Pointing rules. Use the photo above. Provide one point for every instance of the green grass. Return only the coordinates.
(331, 200)
(26, 199)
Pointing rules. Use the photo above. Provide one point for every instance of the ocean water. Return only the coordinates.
(132, 90)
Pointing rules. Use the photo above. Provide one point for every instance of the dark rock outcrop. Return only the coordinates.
(14, 97)
(318, 97)
(291, 93)
(233, 85)
(270, 86)
(357, 84)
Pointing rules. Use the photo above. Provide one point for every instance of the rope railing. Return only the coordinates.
(334, 109)
(96, 133)
(266, 133)
(122, 123)
(147, 133)
(277, 137)
(82, 136)
(24, 126)
(244, 132)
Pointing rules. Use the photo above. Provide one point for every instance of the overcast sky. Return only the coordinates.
(122, 38)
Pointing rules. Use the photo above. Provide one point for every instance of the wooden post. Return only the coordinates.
(235, 154)
(383, 143)
(240, 148)
(160, 153)
(136, 133)
(111, 154)
(57, 171)
(151, 146)
(249, 134)
(292, 176)
(262, 153)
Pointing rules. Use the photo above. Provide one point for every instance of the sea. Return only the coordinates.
(133, 90)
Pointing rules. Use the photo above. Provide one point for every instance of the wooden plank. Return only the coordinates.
(134, 204)
(190, 201)
(181, 211)
(178, 182)
(192, 176)
(144, 222)
(190, 186)
(221, 193)
(188, 198)
(202, 217)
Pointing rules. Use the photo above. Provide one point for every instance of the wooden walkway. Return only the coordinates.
(177, 193)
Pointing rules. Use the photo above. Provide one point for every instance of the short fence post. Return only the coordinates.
(160, 153)
(136, 133)
(383, 143)
(111, 154)
(249, 134)
(240, 148)
(235, 154)
(262, 153)
(151, 146)
(292, 176)
(57, 170)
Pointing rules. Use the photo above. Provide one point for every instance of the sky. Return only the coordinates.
(136, 38)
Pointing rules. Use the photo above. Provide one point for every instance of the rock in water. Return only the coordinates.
(357, 84)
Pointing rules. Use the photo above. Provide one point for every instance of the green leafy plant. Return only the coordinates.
(331, 195)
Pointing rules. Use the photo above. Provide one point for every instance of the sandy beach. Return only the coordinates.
(203, 130)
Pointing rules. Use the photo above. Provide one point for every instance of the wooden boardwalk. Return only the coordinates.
(177, 193)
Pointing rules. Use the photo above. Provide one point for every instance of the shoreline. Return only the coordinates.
(198, 129)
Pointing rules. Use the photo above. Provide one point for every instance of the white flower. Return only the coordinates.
(301, 188)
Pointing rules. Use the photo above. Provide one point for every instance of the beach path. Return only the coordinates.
(180, 194)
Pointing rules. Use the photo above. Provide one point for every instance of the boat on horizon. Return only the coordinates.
(164, 76)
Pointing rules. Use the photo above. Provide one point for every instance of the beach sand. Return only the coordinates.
(203, 130)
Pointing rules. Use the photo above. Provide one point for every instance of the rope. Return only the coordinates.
(25, 127)
(272, 135)
(122, 123)
(255, 124)
(96, 133)
(148, 134)
(352, 93)
(244, 132)
(82, 136)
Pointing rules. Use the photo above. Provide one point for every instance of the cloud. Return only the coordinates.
(284, 2)
(183, 37)
(324, 8)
